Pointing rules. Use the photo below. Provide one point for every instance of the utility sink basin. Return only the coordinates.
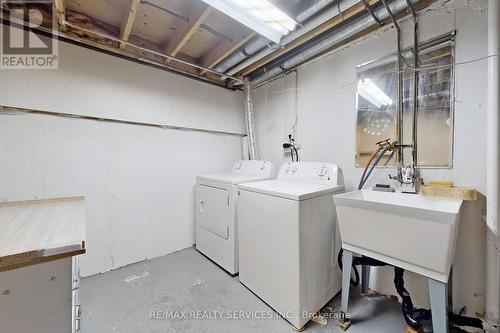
(411, 231)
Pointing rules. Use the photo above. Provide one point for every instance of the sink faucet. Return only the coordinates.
(407, 178)
(406, 175)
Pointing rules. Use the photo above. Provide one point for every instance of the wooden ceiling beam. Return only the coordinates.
(183, 35)
(222, 51)
(128, 23)
(61, 13)
(139, 57)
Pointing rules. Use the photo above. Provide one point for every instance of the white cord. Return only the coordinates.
(424, 68)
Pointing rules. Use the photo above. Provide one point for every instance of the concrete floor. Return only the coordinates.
(122, 301)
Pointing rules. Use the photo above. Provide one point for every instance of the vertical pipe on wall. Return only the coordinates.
(493, 120)
(493, 124)
(400, 96)
(415, 88)
(250, 122)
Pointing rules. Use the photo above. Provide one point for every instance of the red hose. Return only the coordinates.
(374, 153)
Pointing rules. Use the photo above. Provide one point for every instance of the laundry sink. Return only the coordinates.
(411, 231)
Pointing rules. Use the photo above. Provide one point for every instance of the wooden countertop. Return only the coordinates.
(37, 231)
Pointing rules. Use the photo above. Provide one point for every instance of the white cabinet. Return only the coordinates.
(41, 298)
(40, 241)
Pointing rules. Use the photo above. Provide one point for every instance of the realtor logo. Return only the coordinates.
(22, 47)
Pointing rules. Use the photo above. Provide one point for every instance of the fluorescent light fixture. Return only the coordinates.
(259, 15)
(373, 94)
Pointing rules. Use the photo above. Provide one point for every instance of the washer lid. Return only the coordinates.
(230, 178)
(294, 190)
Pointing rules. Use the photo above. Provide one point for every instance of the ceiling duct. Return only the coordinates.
(326, 42)
(250, 123)
(259, 42)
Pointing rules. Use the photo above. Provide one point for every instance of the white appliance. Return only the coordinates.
(289, 239)
(216, 204)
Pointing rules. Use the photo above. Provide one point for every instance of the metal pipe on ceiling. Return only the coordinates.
(326, 42)
(312, 24)
(314, 7)
(250, 52)
(372, 13)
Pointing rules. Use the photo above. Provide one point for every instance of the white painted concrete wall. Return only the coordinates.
(326, 106)
(138, 181)
(97, 84)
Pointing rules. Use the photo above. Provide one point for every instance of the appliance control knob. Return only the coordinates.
(262, 167)
(238, 166)
(294, 169)
(323, 171)
(286, 169)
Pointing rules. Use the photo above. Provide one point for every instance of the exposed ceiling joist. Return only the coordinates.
(222, 51)
(185, 36)
(141, 58)
(128, 23)
(182, 36)
(61, 16)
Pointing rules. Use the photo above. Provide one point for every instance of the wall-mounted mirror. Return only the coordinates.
(377, 104)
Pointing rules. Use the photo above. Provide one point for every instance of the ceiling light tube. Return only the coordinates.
(259, 15)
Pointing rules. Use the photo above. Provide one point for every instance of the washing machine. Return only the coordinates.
(216, 205)
(289, 239)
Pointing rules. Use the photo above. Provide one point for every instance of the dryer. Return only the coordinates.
(216, 204)
(289, 239)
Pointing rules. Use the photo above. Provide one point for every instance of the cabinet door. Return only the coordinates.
(37, 298)
(212, 209)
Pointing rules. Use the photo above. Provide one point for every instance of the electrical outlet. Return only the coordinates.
(287, 150)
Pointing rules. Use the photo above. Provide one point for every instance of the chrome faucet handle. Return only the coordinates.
(407, 175)
(396, 178)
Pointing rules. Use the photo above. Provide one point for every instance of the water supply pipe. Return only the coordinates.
(415, 86)
(250, 122)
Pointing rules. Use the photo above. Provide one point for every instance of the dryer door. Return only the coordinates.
(212, 209)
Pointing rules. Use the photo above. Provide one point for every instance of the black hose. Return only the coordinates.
(363, 261)
(354, 282)
(287, 145)
(296, 153)
(459, 320)
(413, 317)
